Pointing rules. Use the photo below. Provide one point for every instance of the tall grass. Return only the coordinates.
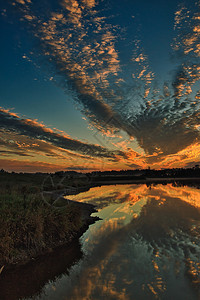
(28, 226)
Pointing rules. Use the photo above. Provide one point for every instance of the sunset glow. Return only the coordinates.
(99, 85)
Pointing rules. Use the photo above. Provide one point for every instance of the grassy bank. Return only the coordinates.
(29, 227)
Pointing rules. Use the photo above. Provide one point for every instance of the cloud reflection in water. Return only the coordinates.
(146, 246)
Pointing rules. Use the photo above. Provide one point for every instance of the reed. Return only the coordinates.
(29, 227)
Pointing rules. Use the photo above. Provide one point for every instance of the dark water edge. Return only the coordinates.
(28, 280)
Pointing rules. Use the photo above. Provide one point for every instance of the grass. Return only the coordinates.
(28, 226)
(34, 183)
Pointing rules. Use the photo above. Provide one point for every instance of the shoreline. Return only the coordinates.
(27, 256)
(146, 181)
(86, 209)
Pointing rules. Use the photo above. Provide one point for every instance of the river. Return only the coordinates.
(146, 246)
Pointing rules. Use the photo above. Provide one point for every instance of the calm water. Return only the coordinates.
(147, 246)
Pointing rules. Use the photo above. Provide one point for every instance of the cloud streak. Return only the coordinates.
(12, 123)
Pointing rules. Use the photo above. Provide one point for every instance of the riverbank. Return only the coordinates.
(30, 228)
(35, 218)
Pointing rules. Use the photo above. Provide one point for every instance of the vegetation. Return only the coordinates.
(29, 227)
(148, 173)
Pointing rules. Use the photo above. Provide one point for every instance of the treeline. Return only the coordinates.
(148, 173)
(137, 173)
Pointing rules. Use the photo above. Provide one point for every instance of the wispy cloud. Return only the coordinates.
(12, 123)
(28, 166)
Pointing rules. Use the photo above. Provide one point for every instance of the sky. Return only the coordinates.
(90, 85)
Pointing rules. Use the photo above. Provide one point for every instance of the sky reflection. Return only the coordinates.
(143, 247)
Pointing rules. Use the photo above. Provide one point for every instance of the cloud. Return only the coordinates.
(187, 40)
(82, 47)
(85, 63)
(13, 124)
(89, 3)
(8, 153)
(24, 146)
(26, 137)
(186, 157)
(79, 169)
(28, 166)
